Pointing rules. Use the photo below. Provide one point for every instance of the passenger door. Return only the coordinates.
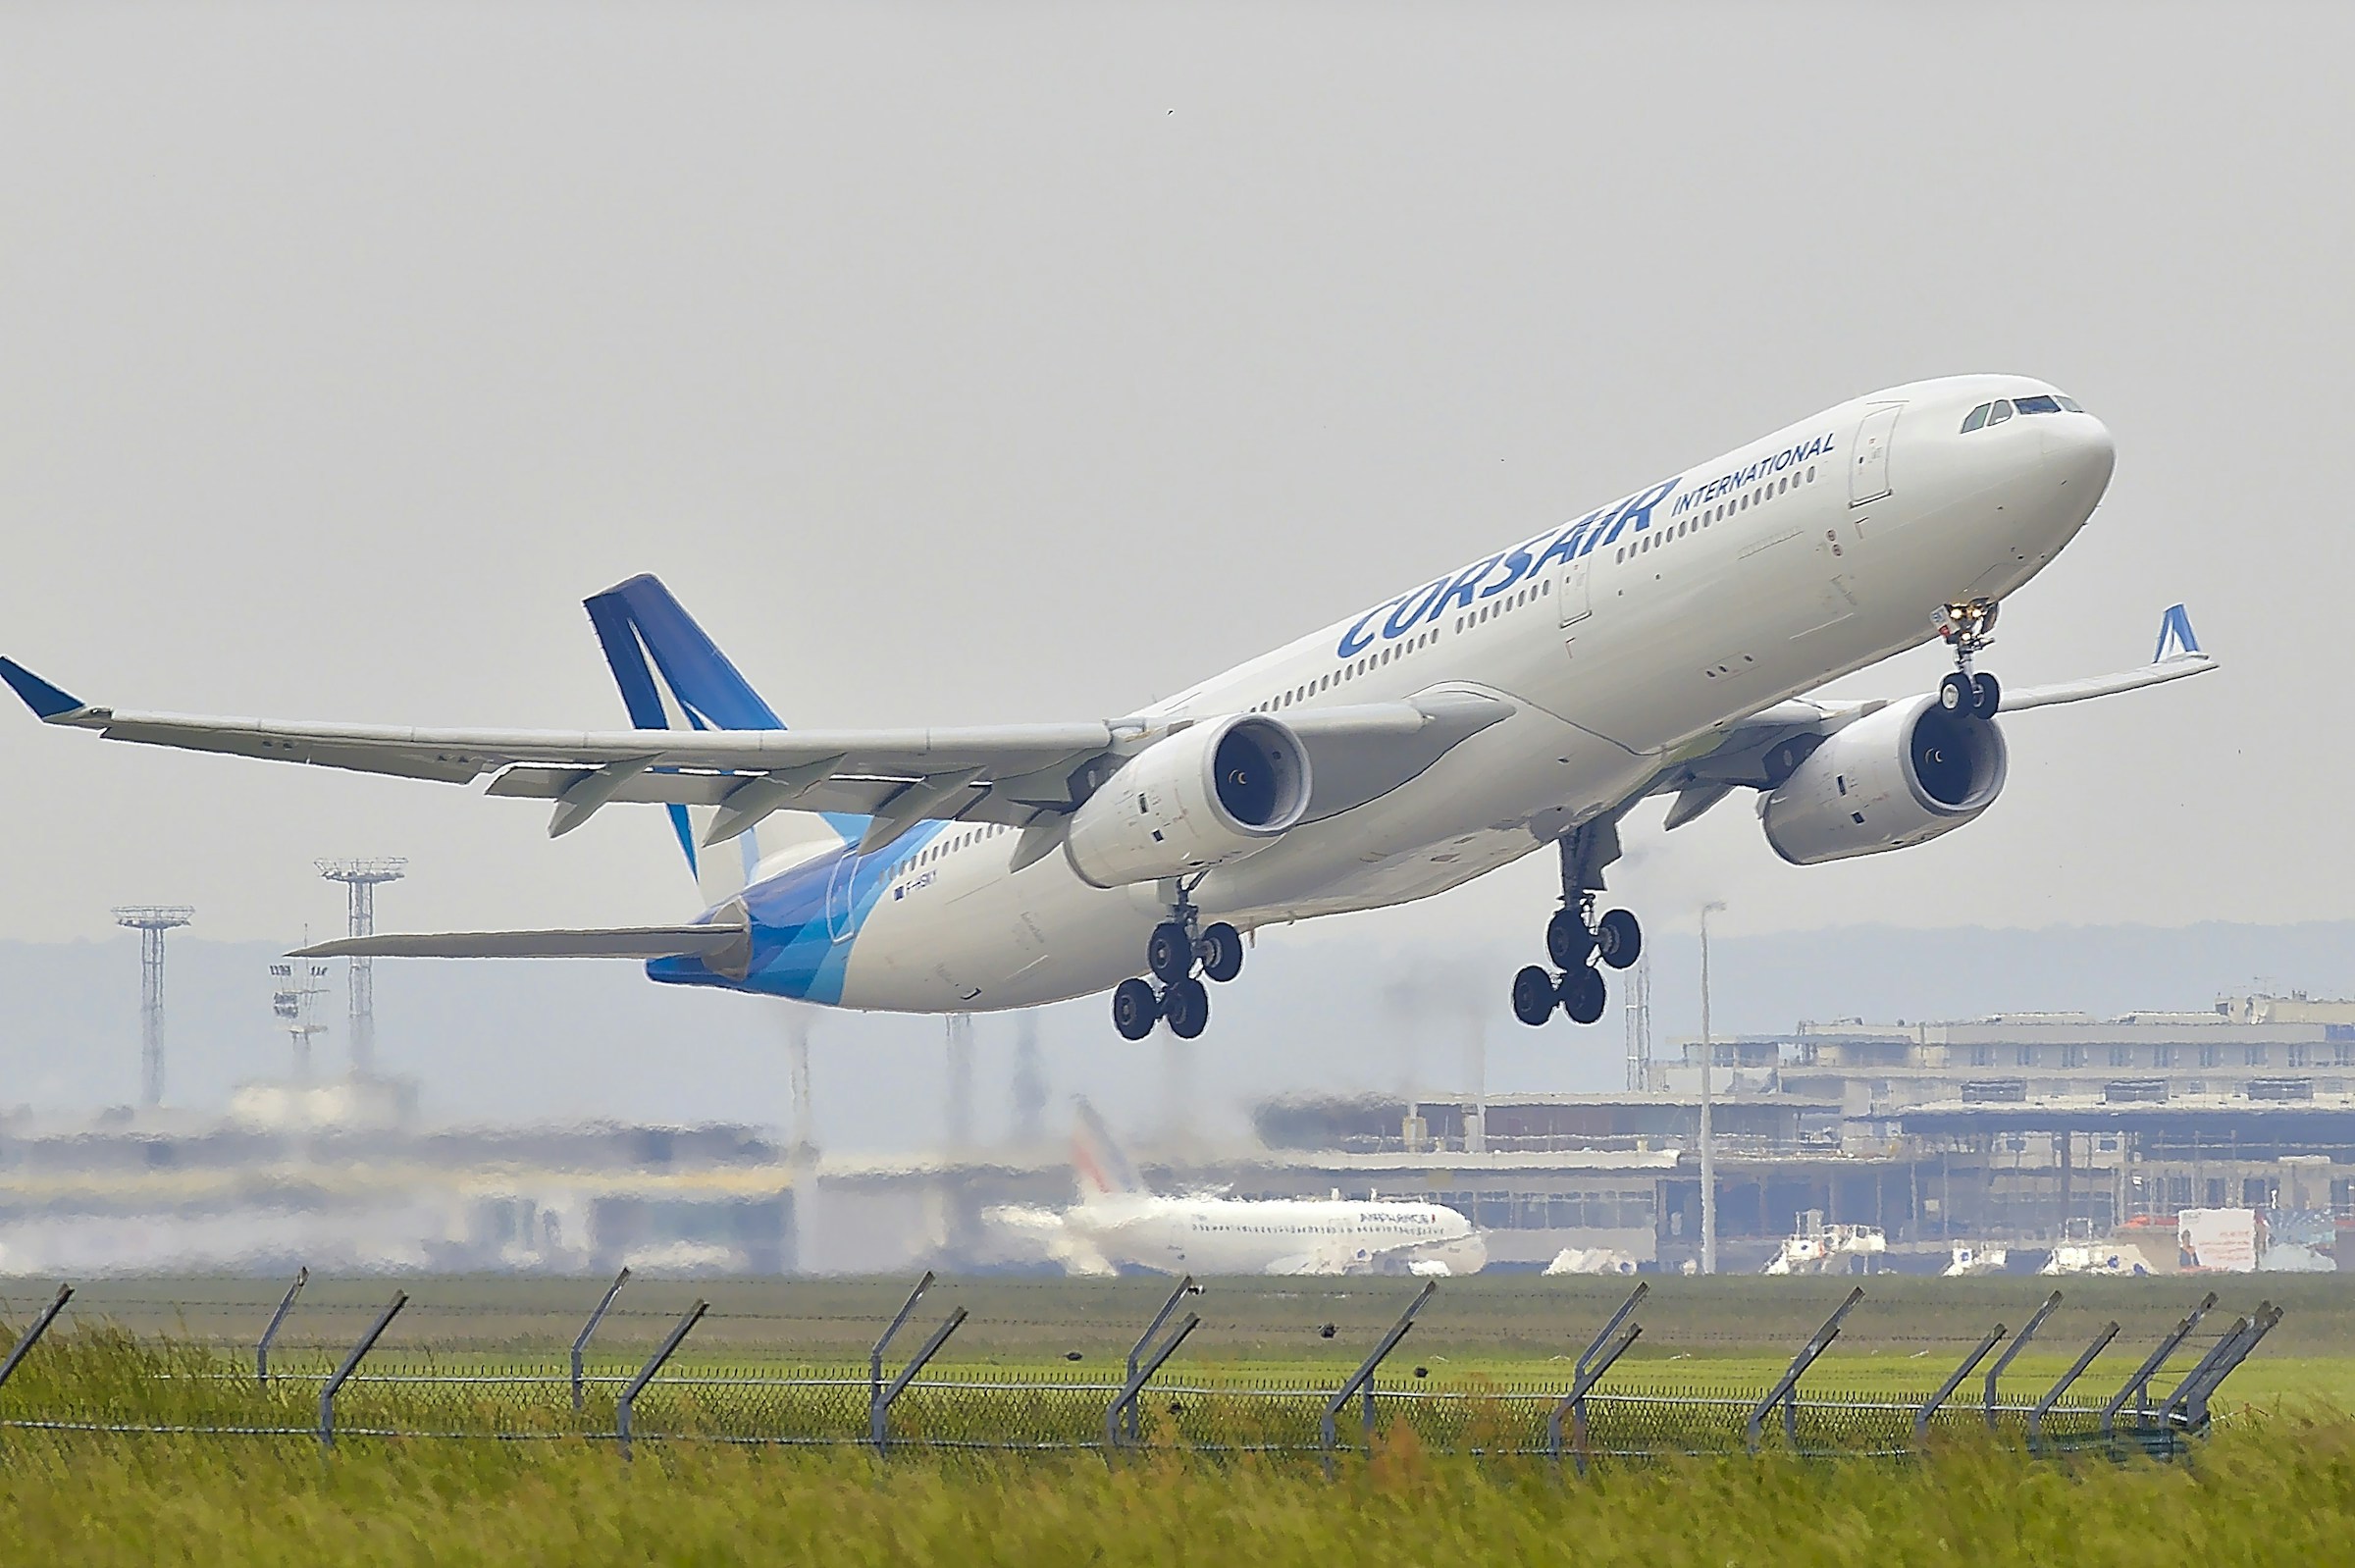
(1572, 591)
(1868, 462)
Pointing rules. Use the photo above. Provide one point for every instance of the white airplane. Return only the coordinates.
(1118, 1223)
(1659, 645)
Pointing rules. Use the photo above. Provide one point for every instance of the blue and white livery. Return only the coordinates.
(1662, 643)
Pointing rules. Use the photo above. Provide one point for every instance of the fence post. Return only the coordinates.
(2151, 1364)
(2052, 1394)
(33, 1335)
(878, 1417)
(351, 1364)
(1929, 1408)
(1185, 1287)
(2207, 1363)
(580, 1345)
(2194, 1398)
(1363, 1377)
(1126, 1401)
(875, 1362)
(285, 1304)
(2012, 1350)
(1594, 1345)
(1590, 1368)
(627, 1405)
(1786, 1388)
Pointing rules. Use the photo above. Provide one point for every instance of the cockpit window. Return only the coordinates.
(2002, 412)
(2070, 403)
(2039, 404)
(1978, 417)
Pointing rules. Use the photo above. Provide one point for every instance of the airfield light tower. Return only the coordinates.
(1638, 1025)
(1708, 1146)
(361, 879)
(151, 922)
(294, 991)
(1029, 1080)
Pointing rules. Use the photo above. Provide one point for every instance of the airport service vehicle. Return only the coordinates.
(1659, 645)
(1118, 1223)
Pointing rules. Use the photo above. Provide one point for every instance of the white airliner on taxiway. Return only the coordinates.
(1659, 644)
(1118, 1223)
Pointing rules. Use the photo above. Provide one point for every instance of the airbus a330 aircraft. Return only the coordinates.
(1659, 645)
(1120, 1222)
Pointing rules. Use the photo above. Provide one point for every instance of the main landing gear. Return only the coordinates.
(1575, 939)
(1176, 947)
(1968, 629)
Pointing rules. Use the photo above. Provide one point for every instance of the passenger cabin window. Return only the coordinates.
(1978, 417)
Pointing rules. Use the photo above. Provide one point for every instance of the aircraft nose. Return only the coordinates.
(2079, 450)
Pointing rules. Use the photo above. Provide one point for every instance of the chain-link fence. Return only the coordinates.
(494, 1360)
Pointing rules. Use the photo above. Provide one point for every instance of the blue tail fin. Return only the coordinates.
(672, 676)
(640, 618)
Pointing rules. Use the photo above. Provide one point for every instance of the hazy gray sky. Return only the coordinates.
(1003, 363)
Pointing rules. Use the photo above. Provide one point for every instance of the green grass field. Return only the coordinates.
(2276, 1482)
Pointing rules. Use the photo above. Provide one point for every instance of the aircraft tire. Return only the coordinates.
(1986, 696)
(1170, 952)
(1185, 1008)
(1534, 996)
(1134, 1008)
(1955, 694)
(1567, 939)
(1221, 953)
(1583, 995)
(1618, 939)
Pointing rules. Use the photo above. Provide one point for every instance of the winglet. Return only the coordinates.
(42, 697)
(2176, 635)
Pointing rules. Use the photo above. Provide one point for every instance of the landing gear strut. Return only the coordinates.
(1575, 939)
(1967, 628)
(1177, 945)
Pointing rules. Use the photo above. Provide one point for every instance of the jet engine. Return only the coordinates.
(1890, 780)
(1211, 793)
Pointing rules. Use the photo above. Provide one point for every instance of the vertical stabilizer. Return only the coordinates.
(1102, 1170)
(673, 676)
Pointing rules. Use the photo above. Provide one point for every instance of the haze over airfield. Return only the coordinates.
(1025, 364)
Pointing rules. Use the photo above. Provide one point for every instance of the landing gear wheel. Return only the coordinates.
(1618, 939)
(1170, 952)
(1567, 939)
(1986, 696)
(1955, 694)
(1185, 1008)
(1582, 995)
(1534, 996)
(1134, 1008)
(1222, 951)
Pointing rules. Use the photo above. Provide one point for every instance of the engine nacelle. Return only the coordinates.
(1214, 792)
(1890, 780)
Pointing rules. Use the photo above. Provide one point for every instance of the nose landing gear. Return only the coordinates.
(1967, 628)
(1171, 955)
(1575, 939)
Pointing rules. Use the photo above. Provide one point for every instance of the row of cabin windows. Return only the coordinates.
(1715, 514)
(1347, 672)
(958, 841)
(2003, 409)
(1486, 612)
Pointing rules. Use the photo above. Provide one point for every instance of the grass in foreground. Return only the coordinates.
(2278, 1487)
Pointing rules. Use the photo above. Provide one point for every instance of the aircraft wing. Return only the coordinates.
(1760, 750)
(1009, 774)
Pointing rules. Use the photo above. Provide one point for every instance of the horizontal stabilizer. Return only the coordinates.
(621, 942)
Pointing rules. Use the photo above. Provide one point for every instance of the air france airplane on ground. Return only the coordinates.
(1118, 1223)
(1659, 645)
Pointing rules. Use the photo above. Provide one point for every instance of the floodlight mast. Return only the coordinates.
(360, 880)
(151, 922)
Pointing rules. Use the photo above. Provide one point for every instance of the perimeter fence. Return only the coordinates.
(515, 1372)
